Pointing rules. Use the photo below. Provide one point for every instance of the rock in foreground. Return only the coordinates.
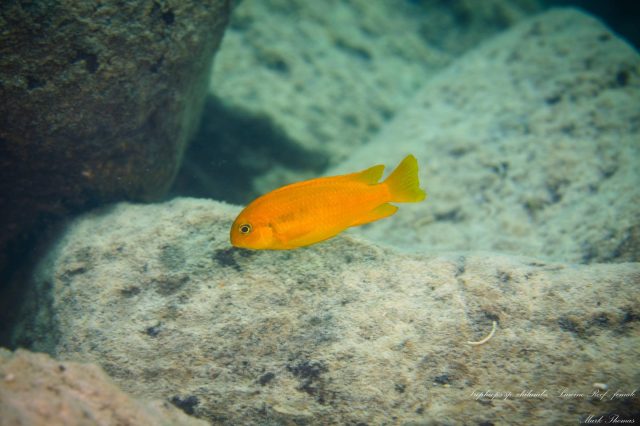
(342, 332)
(36, 390)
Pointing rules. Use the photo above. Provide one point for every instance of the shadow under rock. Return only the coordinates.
(232, 149)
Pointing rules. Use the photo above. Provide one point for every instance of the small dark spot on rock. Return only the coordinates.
(555, 190)
(90, 61)
(307, 369)
(225, 258)
(130, 291)
(514, 57)
(386, 114)
(629, 316)
(500, 169)
(172, 257)
(491, 316)
(309, 372)
(604, 37)
(608, 170)
(400, 388)
(504, 277)
(168, 17)
(34, 83)
(589, 252)
(552, 100)
(461, 266)
(533, 206)
(75, 271)
(266, 378)
(187, 404)
(155, 67)
(442, 379)
(458, 152)
(568, 129)
(307, 387)
(168, 285)
(600, 320)
(569, 325)
(154, 9)
(628, 250)
(154, 330)
(554, 195)
(356, 51)
(278, 65)
(622, 78)
(315, 320)
(453, 215)
(350, 120)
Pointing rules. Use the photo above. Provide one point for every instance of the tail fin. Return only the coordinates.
(403, 182)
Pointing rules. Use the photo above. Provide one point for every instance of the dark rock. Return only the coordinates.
(99, 99)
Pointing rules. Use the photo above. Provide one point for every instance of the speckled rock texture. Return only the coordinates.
(528, 144)
(343, 332)
(329, 74)
(99, 99)
(36, 390)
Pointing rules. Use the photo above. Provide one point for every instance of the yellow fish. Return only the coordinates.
(314, 210)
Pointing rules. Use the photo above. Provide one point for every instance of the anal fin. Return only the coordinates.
(380, 212)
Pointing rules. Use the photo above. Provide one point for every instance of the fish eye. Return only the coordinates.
(245, 228)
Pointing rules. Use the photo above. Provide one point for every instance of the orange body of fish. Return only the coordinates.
(314, 210)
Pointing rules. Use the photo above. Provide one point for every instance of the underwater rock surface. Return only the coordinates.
(527, 144)
(331, 73)
(37, 390)
(342, 332)
(99, 99)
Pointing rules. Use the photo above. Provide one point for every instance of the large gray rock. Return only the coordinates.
(528, 144)
(99, 99)
(343, 332)
(36, 390)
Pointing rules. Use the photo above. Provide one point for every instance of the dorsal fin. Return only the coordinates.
(371, 175)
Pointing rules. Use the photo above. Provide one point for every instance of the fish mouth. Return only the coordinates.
(239, 242)
(234, 241)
